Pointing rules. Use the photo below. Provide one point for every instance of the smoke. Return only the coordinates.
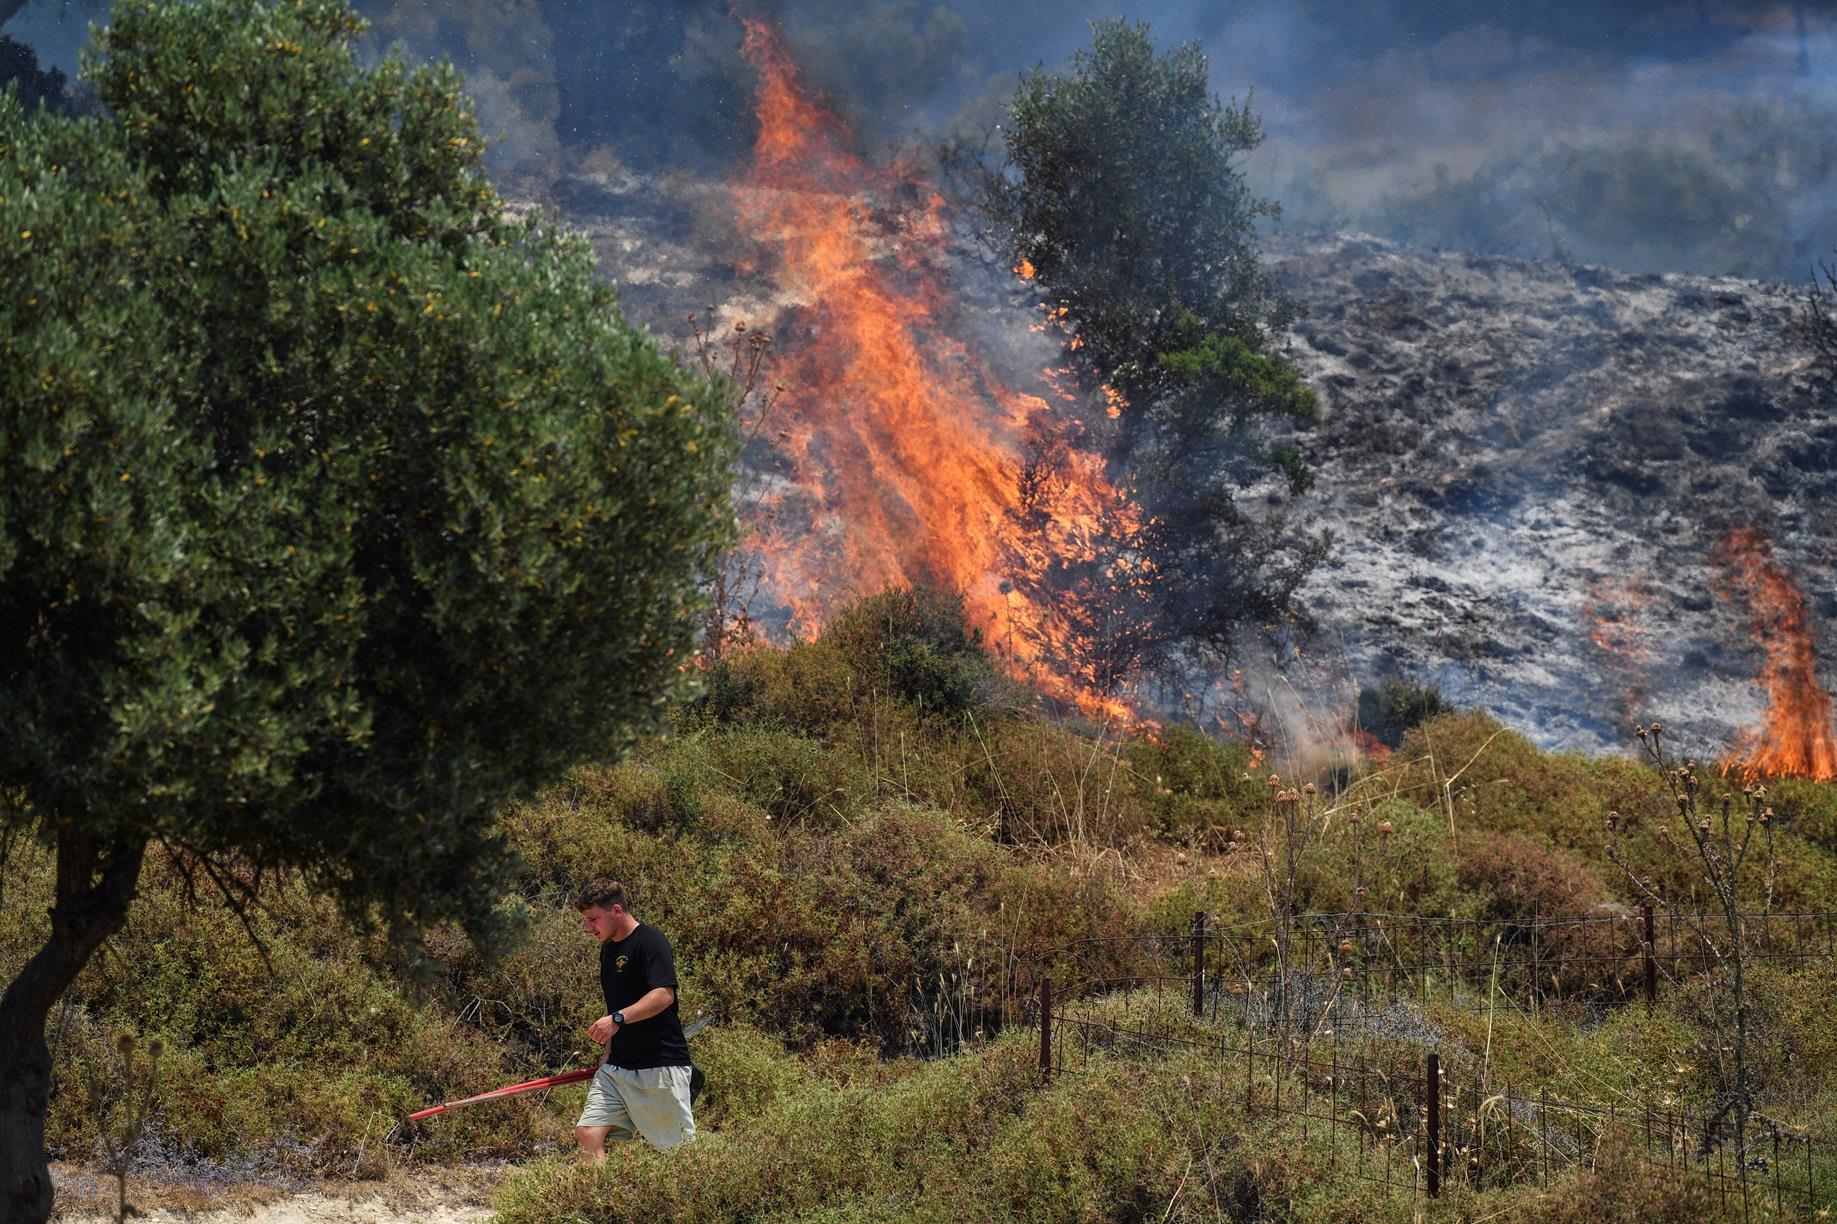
(1655, 135)
(1714, 162)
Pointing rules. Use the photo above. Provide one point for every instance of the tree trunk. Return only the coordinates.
(95, 884)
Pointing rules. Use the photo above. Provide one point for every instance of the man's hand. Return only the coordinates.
(602, 1030)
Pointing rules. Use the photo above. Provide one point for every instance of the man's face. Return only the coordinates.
(598, 921)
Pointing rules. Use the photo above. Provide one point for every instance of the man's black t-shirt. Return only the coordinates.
(631, 968)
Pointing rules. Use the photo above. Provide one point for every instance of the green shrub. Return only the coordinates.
(1623, 1188)
(1496, 781)
(796, 780)
(1516, 879)
(747, 1071)
(1808, 809)
(1198, 788)
(808, 686)
(1389, 709)
(915, 642)
(1407, 870)
(1048, 785)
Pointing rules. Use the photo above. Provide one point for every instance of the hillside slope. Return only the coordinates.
(1522, 458)
(1527, 465)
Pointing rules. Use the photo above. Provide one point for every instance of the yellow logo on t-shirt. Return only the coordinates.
(619, 964)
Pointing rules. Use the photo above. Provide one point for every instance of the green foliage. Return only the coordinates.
(834, 940)
(748, 1069)
(1407, 869)
(1495, 780)
(978, 1137)
(916, 643)
(1521, 880)
(1198, 788)
(848, 914)
(1487, 779)
(302, 1061)
(1388, 709)
(1125, 200)
(810, 685)
(1808, 809)
(337, 505)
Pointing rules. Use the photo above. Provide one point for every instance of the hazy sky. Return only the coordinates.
(1654, 134)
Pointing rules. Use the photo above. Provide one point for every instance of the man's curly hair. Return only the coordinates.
(602, 893)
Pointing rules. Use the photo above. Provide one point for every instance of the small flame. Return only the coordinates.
(1113, 402)
(1798, 740)
(1611, 613)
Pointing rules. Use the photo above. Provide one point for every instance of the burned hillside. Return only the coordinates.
(1528, 467)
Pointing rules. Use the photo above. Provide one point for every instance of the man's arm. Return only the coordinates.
(653, 1002)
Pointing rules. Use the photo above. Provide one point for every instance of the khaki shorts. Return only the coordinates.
(652, 1103)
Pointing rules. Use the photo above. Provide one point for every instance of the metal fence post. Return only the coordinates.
(1647, 955)
(1432, 1088)
(1046, 1027)
(1199, 965)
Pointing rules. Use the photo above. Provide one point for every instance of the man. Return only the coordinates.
(642, 1089)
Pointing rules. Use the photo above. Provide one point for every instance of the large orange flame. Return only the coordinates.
(1798, 740)
(909, 461)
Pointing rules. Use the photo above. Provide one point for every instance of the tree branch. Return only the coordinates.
(240, 896)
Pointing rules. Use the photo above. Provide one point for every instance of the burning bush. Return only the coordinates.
(1119, 200)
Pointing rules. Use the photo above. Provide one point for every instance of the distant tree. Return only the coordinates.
(20, 72)
(1117, 193)
(335, 505)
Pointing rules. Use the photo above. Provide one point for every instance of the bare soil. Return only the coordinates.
(458, 1195)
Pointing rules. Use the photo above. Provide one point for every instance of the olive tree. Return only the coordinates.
(337, 505)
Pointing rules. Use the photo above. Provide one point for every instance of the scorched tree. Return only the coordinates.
(1115, 189)
(336, 505)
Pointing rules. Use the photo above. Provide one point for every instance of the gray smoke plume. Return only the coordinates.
(1654, 135)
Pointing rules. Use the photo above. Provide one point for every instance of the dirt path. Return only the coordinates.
(433, 1196)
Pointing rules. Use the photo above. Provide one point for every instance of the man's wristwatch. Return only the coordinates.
(618, 1018)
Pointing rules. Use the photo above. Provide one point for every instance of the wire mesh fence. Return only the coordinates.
(1375, 965)
(1325, 1023)
(1324, 1019)
(1589, 959)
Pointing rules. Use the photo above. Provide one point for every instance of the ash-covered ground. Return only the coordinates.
(1526, 465)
